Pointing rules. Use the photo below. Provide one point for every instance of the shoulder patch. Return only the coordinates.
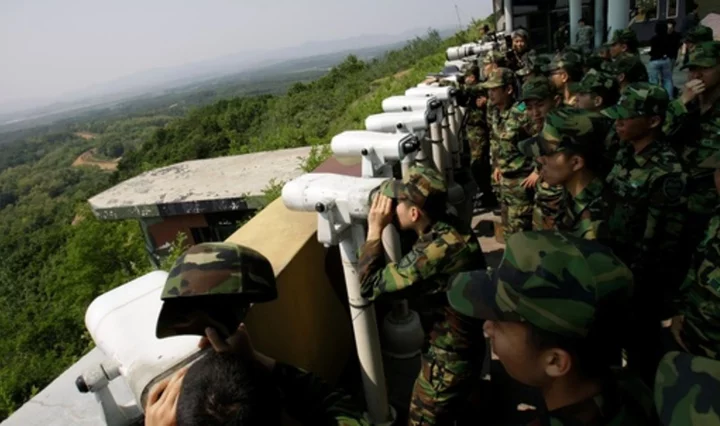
(521, 107)
(673, 187)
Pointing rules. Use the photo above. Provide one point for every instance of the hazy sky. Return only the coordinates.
(51, 47)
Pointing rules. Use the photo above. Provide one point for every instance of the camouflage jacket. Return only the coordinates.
(647, 204)
(436, 255)
(695, 136)
(585, 216)
(626, 402)
(585, 36)
(516, 62)
(475, 126)
(507, 128)
(700, 303)
(310, 400)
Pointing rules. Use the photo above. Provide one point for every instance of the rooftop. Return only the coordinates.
(199, 186)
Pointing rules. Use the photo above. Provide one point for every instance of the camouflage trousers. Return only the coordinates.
(478, 143)
(516, 206)
(548, 205)
(449, 368)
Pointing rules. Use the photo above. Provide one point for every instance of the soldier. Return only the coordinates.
(597, 91)
(520, 54)
(552, 311)
(697, 328)
(487, 36)
(509, 123)
(697, 35)
(585, 37)
(564, 69)
(492, 61)
(569, 148)
(235, 384)
(451, 363)
(540, 98)
(627, 69)
(476, 131)
(648, 208)
(693, 126)
(686, 390)
(624, 43)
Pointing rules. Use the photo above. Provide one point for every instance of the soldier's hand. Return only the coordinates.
(531, 180)
(497, 175)
(161, 405)
(691, 91)
(239, 343)
(380, 215)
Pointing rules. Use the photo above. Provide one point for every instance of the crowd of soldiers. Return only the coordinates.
(609, 285)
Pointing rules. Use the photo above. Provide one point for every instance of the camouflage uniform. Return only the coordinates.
(535, 68)
(548, 199)
(628, 38)
(227, 277)
(696, 136)
(699, 34)
(687, 389)
(648, 210)
(561, 37)
(699, 333)
(568, 61)
(507, 128)
(576, 132)
(452, 361)
(586, 38)
(600, 83)
(517, 60)
(564, 298)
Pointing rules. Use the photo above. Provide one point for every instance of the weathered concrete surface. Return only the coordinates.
(199, 186)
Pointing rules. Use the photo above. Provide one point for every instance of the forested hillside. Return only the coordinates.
(56, 257)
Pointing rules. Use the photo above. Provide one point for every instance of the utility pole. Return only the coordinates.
(457, 12)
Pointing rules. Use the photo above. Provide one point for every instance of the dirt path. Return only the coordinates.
(87, 158)
(85, 135)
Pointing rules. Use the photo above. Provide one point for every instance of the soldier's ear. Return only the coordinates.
(558, 362)
(621, 77)
(655, 122)
(577, 163)
(598, 101)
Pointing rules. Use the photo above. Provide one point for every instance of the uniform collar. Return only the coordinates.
(590, 193)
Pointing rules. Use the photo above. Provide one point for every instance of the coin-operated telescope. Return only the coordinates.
(342, 205)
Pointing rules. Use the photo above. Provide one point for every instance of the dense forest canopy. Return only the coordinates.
(56, 257)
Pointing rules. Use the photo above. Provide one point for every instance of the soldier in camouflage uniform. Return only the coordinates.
(693, 128)
(509, 123)
(687, 389)
(648, 211)
(599, 90)
(212, 285)
(566, 68)
(452, 361)
(561, 37)
(540, 98)
(585, 37)
(627, 69)
(697, 328)
(552, 309)
(697, 35)
(569, 148)
(624, 43)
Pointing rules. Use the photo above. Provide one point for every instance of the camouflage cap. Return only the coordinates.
(626, 36)
(423, 186)
(537, 88)
(217, 280)
(535, 66)
(699, 34)
(493, 57)
(639, 99)
(630, 65)
(705, 55)
(553, 281)
(498, 78)
(567, 60)
(687, 389)
(566, 129)
(712, 162)
(597, 82)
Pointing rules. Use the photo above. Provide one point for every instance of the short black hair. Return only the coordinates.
(581, 20)
(486, 27)
(597, 353)
(223, 389)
